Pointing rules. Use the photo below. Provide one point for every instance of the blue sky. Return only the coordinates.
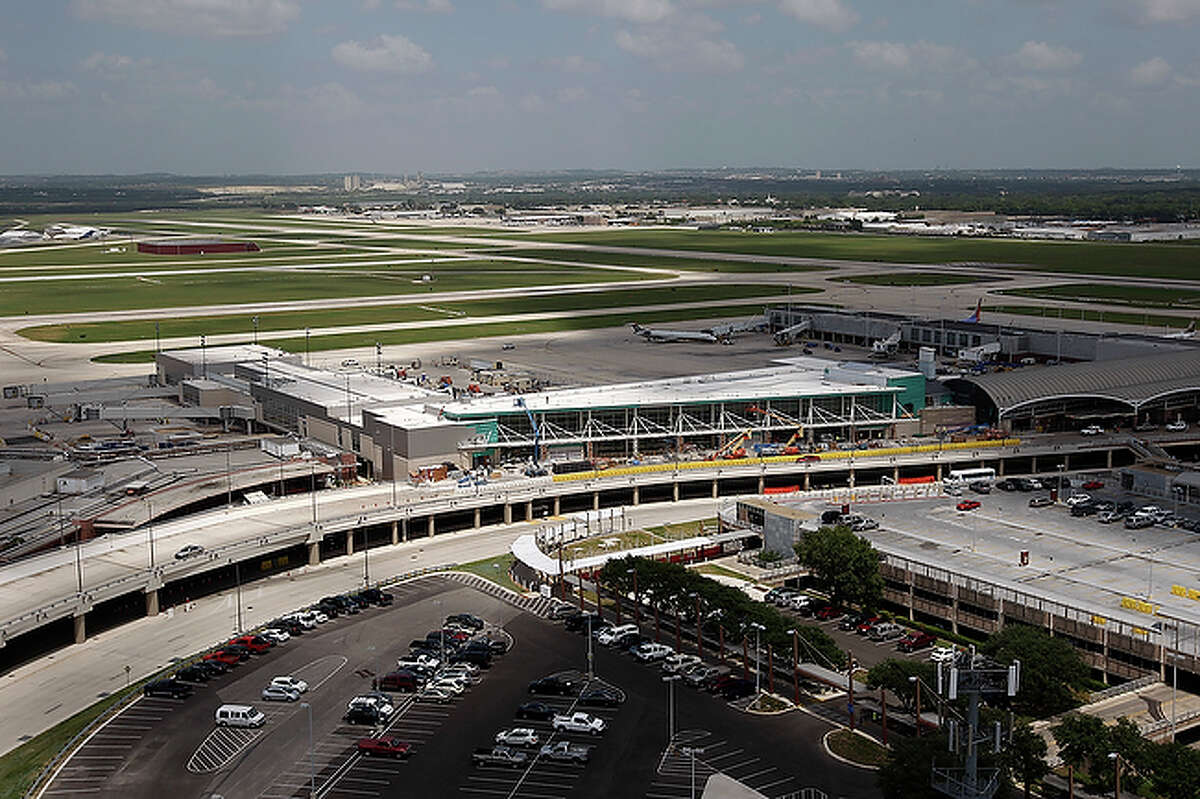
(400, 86)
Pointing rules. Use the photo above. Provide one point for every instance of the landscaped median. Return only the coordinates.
(855, 748)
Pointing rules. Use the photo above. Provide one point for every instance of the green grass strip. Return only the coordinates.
(494, 569)
(1142, 296)
(654, 260)
(1091, 315)
(144, 329)
(466, 331)
(911, 279)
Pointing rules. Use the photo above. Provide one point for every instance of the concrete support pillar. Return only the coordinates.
(558, 506)
(152, 602)
(1000, 468)
(939, 472)
(314, 553)
(807, 481)
(431, 526)
(1067, 462)
(1108, 458)
(911, 615)
(529, 511)
(478, 522)
(404, 531)
(80, 628)
(715, 490)
(896, 475)
(674, 492)
(395, 533)
(852, 478)
(508, 513)
(595, 500)
(762, 484)
(1104, 639)
(954, 614)
(350, 542)
(1033, 464)
(637, 495)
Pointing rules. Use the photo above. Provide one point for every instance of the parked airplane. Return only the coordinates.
(670, 336)
(1187, 332)
(975, 317)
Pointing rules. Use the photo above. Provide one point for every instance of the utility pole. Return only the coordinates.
(254, 319)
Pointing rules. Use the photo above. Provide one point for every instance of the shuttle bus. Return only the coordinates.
(964, 477)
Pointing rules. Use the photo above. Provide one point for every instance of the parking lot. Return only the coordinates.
(159, 740)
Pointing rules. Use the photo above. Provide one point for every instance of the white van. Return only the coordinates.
(239, 716)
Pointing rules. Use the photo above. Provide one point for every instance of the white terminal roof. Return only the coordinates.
(232, 353)
(812, 377)
(343, 395)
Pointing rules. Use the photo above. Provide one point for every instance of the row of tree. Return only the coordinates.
(1092, 747)
(726, 611)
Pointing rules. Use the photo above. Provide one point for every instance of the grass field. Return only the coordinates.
(1143, 296)
(143, 329)
(494, 569)
(1173, 261)
(910, 279)
(465, 331)
(655, 260)
(1090, 315)
(173, 291)
(857, 748)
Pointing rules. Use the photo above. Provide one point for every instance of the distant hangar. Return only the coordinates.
(195, 246)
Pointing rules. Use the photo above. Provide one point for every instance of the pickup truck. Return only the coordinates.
(567, 752)
(578, 722)
(499, 756)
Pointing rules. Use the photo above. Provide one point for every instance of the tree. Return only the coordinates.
(893, 675)
(1083, 743)
(906, 774)
(1024, 757)
(1173, 770)
(845, 565)
(1052, 673)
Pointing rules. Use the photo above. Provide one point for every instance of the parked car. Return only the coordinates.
(579, 623)
(553, 684)
(189, 551)
(537, 711)
(499, 756)
(600, 697)
(734, 688)
(277, 693)
(609, 636)
(1092, 485)
(1108, 516)
(1092, 430)
(435, 695)
(1177, 426)
(700, 676)
(378, 700)
(518, 736)
(980, 487)
(968, 504)
(943, 654)
(1040, 502)
(383, 747)
(221, 656)
(170, 687)
(916, 640)
(885, 631)
(850, 621)
(828, 612)
(276, 635)
(867, 624)
(401, 680)
(578, 722)
(291, 683)
(377, 596)
(255, 643)
(465, 620)
(1075, 499)
(650, 652)
(1138, 521)
(239, 716)
(566, 751)
(679, 662)
(561, 610)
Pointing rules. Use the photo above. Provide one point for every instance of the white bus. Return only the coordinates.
(964, 477)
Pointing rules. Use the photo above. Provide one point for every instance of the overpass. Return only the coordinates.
(119, 577)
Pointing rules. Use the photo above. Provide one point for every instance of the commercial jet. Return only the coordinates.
(1187, 332)
(662, 335)
(975, 317)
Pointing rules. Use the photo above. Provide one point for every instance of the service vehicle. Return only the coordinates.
(578, 722)
(239, 716)
(383, 747)
(566, 751)
(499, 756)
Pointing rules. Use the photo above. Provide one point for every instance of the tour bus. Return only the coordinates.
(964, 477)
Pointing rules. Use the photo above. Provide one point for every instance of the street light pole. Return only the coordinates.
(150, 530)
(670, 681)
(916, 681)
(699, 627)
(795, 662)
(758, 628)
(591, 671)
(637, 601)
(366, 558)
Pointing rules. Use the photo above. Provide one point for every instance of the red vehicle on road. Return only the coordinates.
(1093, 485)
(968, 504)
(385, 747)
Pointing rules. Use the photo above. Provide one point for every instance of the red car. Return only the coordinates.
(865, 626)
(914, 641)
(827, 612)
(1092, 485)
(809, 459)
(221, 656)
(256, 644)
(968, 504)
(385, 747)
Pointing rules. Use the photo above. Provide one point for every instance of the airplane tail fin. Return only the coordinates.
(975, 317)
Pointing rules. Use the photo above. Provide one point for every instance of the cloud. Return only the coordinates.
(639, 11)
(45, 91)
(106, 63)
(194, 17)
(1150, 73)
(678, 52)
(833, 15)
(432, 6)
(384, 54)
(1043, 57)
(897, 56)
(1164, 11)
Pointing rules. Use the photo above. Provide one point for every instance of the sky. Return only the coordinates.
(216, 87)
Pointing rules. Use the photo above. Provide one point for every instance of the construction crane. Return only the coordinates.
(732, 449)
(535, 470)
(790, 447)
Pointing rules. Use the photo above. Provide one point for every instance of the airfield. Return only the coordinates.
(334, 286)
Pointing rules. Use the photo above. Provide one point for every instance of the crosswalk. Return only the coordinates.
(537, 605)
(696, 755)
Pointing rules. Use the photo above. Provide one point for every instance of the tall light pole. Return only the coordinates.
(637, 600)
(758, 628)
(795, 662)
(699, 627)
(150, 531)
(917, 682)
(312, 771)
(670, 681)
(254, 319)
(307, 331)
(203, 356)
(591, 667)
(229, 474)
(366, 560)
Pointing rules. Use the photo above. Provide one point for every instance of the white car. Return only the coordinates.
(189, 551)
(1092, 430)
(579, 722)
(1076, 499)
(307, 620)
(319, 616)
(421, 661)
(448, 684)
(942, 654)
(520, 736)
(275, 636)
(679, 663)
(275, 693)
(1178, 426)
(609, 635)
(382, 705)
(650, 652)
(462, 676)
(799, 602)
(1036, 484)
(434, 695)
(290, 683)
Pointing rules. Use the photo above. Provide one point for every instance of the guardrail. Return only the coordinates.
(835, 455)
